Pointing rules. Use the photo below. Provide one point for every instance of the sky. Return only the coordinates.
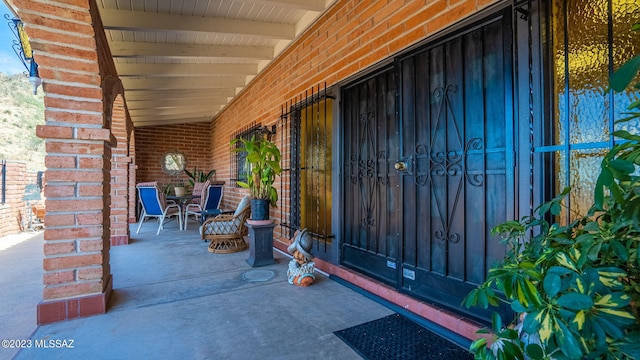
(9, 62)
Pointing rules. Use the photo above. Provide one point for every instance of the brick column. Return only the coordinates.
(132, 179)
(77, 278)
(75, 68)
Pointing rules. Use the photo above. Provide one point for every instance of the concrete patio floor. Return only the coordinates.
(173, 299)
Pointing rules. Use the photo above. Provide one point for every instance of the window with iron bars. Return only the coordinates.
(310, 166)
(239, 159)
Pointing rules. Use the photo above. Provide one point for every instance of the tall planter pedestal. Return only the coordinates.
(260, 243)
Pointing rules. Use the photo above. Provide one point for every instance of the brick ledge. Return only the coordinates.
(68, 309)
(119, 240)
(442, 317)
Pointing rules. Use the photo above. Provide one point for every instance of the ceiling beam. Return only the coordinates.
(172, 103)
(172, 121)
(149, 21)
(152, 94)
(130, 49)
(311, 5)
(186, 69)
(175, 111)
(183, 83)
(185, 115)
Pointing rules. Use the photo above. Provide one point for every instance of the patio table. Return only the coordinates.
(182, 200)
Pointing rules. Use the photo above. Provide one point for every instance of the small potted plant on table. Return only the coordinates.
(179, 189)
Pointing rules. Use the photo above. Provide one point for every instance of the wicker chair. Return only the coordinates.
(226, 232)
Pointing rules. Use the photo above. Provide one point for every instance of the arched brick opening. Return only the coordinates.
(120, 167)
(77, 71)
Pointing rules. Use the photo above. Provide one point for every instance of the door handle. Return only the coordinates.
(400, 166)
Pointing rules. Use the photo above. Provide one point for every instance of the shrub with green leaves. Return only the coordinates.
(262, 164)
(198, 175)
(576, 287)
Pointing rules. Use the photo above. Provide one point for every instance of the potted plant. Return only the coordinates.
(179, 188)
(575, 287)
(198, 176)
(262, 166)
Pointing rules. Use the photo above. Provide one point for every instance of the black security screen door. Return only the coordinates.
(428, 173)
(372, 195)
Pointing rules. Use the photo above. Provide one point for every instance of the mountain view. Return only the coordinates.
(20, 113)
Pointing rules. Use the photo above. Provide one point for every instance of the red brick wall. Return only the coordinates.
(14, 213)
(152, 142)
(350, 37)
(80, 85)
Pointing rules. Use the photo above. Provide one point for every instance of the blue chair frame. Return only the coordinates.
(154, 205)
(212, 200)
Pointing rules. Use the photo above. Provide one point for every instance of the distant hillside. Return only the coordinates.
(20, 112)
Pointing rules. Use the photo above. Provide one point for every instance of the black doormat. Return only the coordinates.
(396, 337)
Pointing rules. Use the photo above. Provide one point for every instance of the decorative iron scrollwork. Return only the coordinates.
(443, 235)
(473, 178)
(367, 221)
(445, 162)
(368, 177)
(353, 161)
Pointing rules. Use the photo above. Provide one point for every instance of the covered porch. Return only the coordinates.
(173, 299)
(435, 122)
(108, 122)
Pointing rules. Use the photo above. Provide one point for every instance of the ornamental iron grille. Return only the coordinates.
(371, 203)
(309, 119)
(429, 164)
(449, 163)
(239, 159)
(456, 106)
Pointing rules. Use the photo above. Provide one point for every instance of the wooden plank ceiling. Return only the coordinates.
(182, 61)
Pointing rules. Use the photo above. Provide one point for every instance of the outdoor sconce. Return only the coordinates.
(22, 48)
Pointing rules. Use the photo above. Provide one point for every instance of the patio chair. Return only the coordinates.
(199, 188)
(226, 232)
(154, 205)
(209, 200)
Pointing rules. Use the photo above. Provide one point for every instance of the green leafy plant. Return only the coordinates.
(198, 175)
(576, 288)
(166, 189)
(262, 164)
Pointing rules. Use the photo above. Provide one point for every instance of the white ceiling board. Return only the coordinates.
(177, 57)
